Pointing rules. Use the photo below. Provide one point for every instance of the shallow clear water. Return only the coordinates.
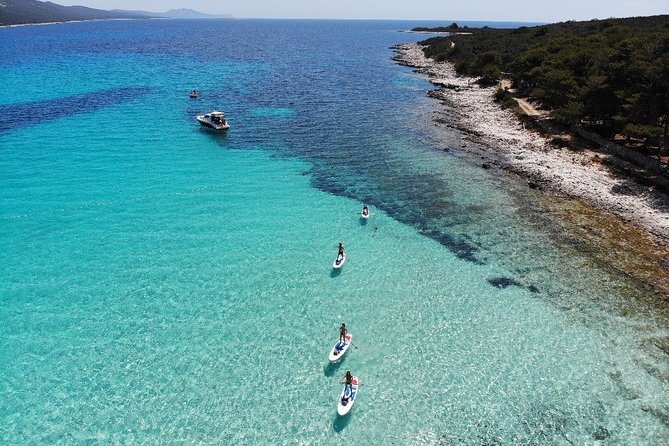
(163, 284)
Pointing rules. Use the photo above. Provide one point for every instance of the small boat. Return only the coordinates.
(339, 261)
(340, 348)
(365, 213)
(214, 120)
(347, 398)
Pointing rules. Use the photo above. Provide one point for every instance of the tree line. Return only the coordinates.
(610, 76)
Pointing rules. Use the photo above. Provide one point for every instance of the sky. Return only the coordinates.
(493, 10)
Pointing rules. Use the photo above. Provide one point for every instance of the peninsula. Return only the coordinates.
(578, 107)
(574, 109)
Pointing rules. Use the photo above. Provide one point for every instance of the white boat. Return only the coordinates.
(340, 348)
(347, 398)
(214, 120)
(339, 261)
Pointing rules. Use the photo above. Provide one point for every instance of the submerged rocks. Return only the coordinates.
(504, 282)
(601, 433)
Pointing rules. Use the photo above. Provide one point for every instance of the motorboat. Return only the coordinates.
(214, 120)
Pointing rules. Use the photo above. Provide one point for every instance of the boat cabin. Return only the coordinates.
(217, 118)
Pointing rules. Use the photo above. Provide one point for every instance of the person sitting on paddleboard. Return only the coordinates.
(365, 210)
(343, 331)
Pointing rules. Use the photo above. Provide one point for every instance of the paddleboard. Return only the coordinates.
(339, 261)
(365, 216)
(340, 348)
(347, 397)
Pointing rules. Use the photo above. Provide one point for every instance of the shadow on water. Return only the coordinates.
(335, 272)
(363, 221)
(16, 116)
(218, 136)
(340, 422)
(331, 368)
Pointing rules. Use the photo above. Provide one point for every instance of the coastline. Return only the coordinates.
(18, 25)
(631, 219)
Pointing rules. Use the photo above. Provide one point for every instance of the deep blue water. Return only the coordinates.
(164, 284)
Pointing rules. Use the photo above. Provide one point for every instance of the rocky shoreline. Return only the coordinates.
(497, 138)
(617, 220)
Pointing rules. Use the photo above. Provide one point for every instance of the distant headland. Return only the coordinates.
(25, 12)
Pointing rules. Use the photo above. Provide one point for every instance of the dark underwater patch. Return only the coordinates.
(461, 248)
(17, 116)
(412, 216)
(419, 200)
(504, 282)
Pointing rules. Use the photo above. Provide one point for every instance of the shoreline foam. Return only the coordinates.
(499, 138)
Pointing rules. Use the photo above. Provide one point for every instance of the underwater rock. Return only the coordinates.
(503, 282)
(601, 433)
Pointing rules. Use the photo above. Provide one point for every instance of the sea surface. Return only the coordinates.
(164, 284)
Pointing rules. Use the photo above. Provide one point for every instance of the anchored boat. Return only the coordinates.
(214, 120)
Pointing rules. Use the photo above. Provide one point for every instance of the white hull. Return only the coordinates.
(344, 409)
(205, 121)
(340, 264)
(338, 350)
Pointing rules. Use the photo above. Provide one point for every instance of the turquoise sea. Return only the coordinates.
(163, 284)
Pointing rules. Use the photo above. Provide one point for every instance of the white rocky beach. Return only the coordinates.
(498, 137)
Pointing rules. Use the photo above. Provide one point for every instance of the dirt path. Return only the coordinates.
(525, 106)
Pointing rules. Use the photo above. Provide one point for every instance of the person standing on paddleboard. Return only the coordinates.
(343, 331)
(348, 380)
(341, 251)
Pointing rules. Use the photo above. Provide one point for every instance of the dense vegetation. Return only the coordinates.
(453, 27)
(610, 76)
(16, 12)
